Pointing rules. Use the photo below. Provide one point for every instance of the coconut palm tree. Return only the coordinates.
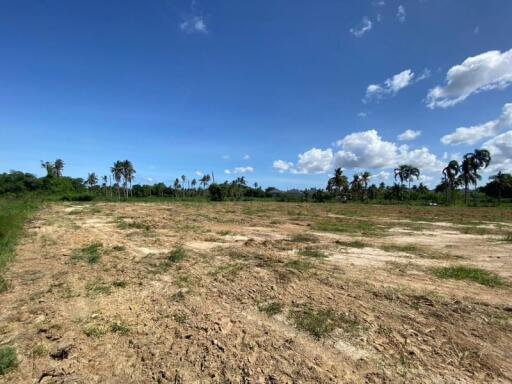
(205, 180)
(365, 179)
(412, 173)
(49, 167)
(193, 183)
(91, 180)
(450, 173)
(338, 183)
(104, 184)
(117, 173)
(58, 166)
(401, 173)
(128, 171)
(471, 164)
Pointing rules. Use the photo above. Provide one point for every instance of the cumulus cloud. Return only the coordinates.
(282, 166)
(364, 27)
(194, 24)
(501, 152)
(409, 135)
(199, 173)
(238, 170)
(471, 135)
(484, 72)
(362, 114)
(400, 14)
(360, 150)
(393, 85)
(247, 157)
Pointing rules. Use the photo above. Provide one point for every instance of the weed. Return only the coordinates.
(507, 238)
(272, 308)
(97, 287)
(177, 254)
(312, 252)
(320, 322)
(8, 359)
(94, 330)
(119, 248)
(120, 284)
(299, 265)
(352, 244)
(89, 253)
(4, 286)
(39, 351)
(230, 269)
(119, 328)
(122, 224)
(461, 272)
(224, 232)
(181, 318)
(350, 226)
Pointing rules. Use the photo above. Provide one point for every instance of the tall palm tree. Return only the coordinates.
(205, 180)
(412, 172)
(401, 173)
(338, 183)
(502, 181)
(58, 166)
(471, 164)
(104, 185)
(49, 167)
(128, 171)
(356, 184)
(91, 180)
(450, 173)
(117, 173)
(365, 179)
(193, 183)
(177, 185)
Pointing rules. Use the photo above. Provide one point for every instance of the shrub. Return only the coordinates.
(461, 272)
(8, 359)
(177, 255)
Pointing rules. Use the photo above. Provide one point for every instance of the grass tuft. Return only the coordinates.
(272, 308)
(304, 238)
(352, 244)
(8, 359)
(119, 328)
(4, 285)
(90, 253)
(320, 322)
(461, 272)
(312, 252)
(177, 254)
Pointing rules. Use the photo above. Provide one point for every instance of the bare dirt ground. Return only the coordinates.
(257, 293)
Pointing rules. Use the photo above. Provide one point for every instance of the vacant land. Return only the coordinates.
(259, 293)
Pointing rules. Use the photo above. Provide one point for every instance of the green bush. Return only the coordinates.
(8, 359)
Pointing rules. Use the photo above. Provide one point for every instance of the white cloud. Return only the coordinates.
(471, 135)
(238, 170)
(501, 152)
(282, 166)
(247, 157)
(408, 135)
(400, 14)
(394, 84)
(362, 114)
(194, 24)
(365, 26)
(225, 157)
(199, 173)
(315, 161)
(382, 175)
(484, 72)
(476, 31)
(361, 150)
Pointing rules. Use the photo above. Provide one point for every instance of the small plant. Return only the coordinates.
(461, 272)
(507, 238)
(120, 284)
(39, 351)
(299, 265)
(177, 254)
(94, 330)
(312, 252)
(119, 248)
(89, 253)
(321, 322)
(4, 286)
(272, 308)
(352, 244)
(181, 318)
(119, 328)
(304, 238)
(8, 359)
(97, 287)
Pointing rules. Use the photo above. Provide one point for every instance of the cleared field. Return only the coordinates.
(260, 293)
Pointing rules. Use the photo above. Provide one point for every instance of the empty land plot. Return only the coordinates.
(259, 292)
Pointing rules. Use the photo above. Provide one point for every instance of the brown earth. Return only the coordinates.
(134, 316)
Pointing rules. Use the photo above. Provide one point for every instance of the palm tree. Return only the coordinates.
(58, 166)
(365, 179)
(91, 180)
(117, 173)
(104, 185)
(50, 168)
(177, 185)
(356, 184)
(338, 183)
(128, 172)
(472, 163)
(412, 173)
(450, 173)
(502, 181)
(401, 173)
(193, 183)
(205, 180)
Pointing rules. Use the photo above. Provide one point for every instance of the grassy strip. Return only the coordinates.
(461, 272)
(13, 214)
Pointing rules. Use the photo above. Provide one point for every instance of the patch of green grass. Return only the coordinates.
(272, 308)
(361, 227)
(312, 252)
(177, 254)
(299, 265)
(123, 224)
(407, 248)
(119, 328)
(39, 351)
(304, 238)
(230, 270)
(8, 359)
(462, 272)
(120, 284)
(507, 238)
(475, 230)
(94, 330)
(352, 244)
(13, 214)
(4, 285)
(320, 322)
(90, 253)
(224, 232)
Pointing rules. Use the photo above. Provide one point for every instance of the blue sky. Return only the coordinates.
(280, 92)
